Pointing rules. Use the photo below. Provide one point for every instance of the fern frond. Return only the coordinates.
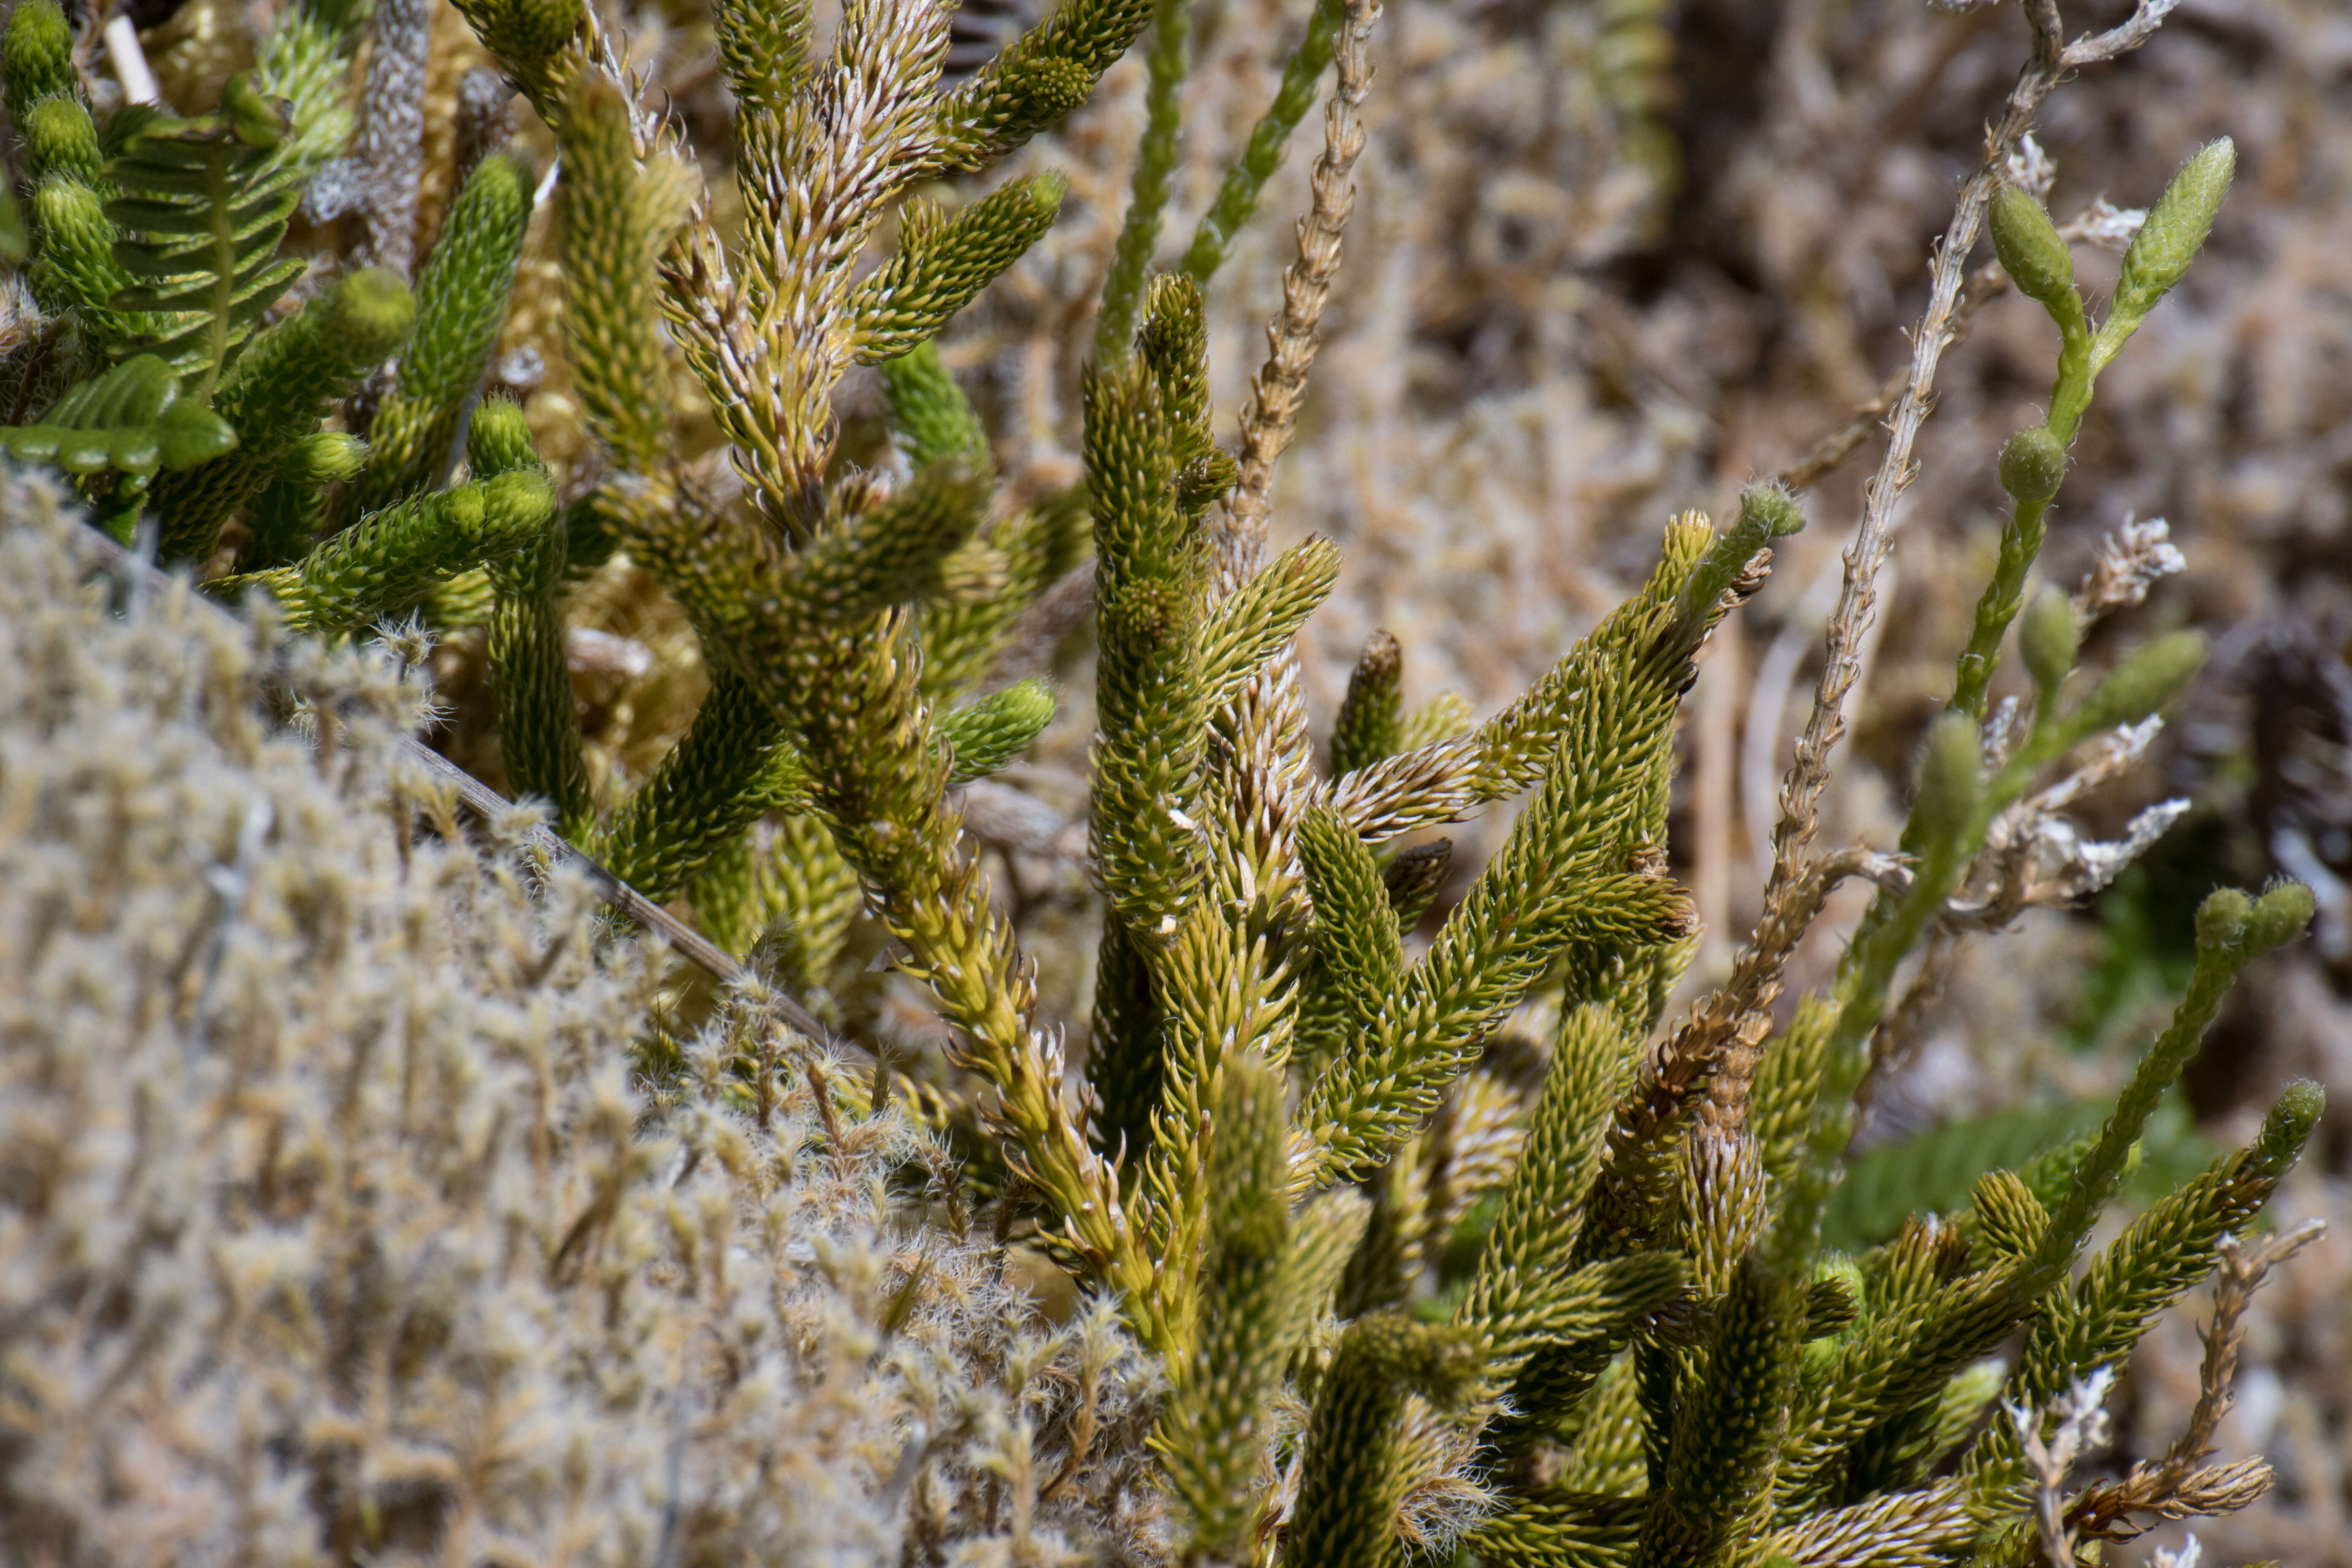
(1933, 1172)
(203, 211)
(132, 421)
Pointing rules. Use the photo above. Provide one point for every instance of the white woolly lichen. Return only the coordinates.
(339, 1220)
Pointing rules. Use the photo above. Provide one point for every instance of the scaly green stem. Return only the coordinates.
(1237, 200)
(1122, 295)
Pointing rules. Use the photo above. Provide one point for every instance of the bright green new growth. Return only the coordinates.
(943, 260)
(274, 396)
(2143, 684)
(2030, 249)
(322, 457)
(60, 138)
(984, 735)
(2047, 640)
(1956, 804)
(2232, 931)
(2168, 241)
(74, 266)
(1155, 165)
(2033, 464)
(461, 298)
(37, 57)
(388, 561)
(933, 418)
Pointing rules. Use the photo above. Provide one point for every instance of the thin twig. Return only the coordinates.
(2181, 1485)
(1857, 604)
(2242, 1274)
(1757, 972)
(2081, 1427)
(1829, 454)
(1719, 1040)
(1824, 456)
(1271, 416)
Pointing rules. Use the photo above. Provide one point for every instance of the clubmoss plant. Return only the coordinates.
(1412, 1286)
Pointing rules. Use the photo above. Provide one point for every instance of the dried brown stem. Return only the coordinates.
(1717, 1043)
(2180, 1483)
(1788, 905)
(1857, 605)
(2241, 1274)
(1829, 454)
(1271, 416)
(392, 142)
